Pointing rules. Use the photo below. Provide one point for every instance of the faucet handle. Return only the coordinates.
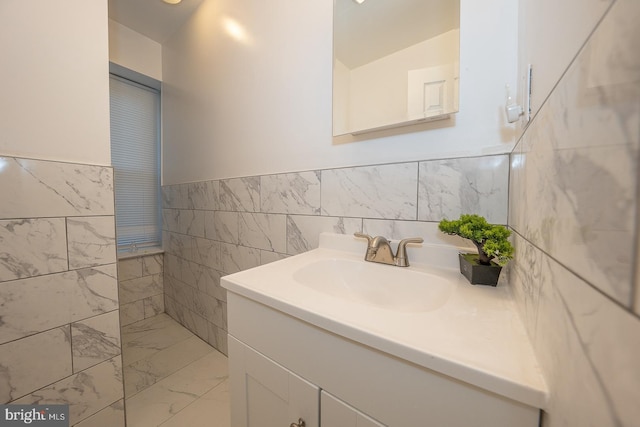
(403, 242)
(401, 259)
(365, 236)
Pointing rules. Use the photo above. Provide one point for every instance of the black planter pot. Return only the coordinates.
(478, 274)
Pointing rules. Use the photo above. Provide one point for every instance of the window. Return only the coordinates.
(135, 155)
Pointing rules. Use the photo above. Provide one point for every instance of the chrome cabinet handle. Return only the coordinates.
(300, 423)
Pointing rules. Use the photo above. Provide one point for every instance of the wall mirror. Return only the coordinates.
(395, 62)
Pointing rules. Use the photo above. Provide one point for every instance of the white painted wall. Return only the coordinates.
(263, 105)
(341, 104)
(551, 33)
(55, 87)
(379, 93)
(134, 51)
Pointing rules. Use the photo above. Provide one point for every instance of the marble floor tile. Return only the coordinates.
(168, 397)
(149, 344)
(144, 327)
(195, 394)
(211, 410)
(112, 416)
(148, 371)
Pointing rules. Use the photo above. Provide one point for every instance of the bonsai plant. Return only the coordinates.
(494, 248)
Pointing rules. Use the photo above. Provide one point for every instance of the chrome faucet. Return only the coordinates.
(379, 250)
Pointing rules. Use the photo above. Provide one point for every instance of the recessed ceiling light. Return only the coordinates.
(175, 1)
(359, 1)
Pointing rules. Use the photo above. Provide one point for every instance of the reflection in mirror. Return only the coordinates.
(396, 62)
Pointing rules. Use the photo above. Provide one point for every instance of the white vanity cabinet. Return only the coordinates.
(336, 413)
(283, 368)
(265, 394)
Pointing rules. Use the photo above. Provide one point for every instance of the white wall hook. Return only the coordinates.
(513, 110)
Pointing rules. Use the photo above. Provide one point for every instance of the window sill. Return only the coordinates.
(140, 253)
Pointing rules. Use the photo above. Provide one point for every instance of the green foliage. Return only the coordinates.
(491, 240)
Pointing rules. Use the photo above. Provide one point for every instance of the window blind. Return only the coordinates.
(135, 156)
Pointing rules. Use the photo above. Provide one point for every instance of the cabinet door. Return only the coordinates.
(265, 394)
(336, 413)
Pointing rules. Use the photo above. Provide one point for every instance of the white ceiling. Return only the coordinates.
(152, 18)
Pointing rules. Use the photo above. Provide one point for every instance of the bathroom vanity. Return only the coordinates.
(365, 351)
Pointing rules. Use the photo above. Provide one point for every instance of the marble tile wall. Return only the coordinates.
(220, 227)
(140, 282)
(59, 317)
(573, 207)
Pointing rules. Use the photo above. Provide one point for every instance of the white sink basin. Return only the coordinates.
(383, 286)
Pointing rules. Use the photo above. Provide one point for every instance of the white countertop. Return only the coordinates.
(476, 337)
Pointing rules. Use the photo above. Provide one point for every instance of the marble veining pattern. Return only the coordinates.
(91, 241)
(237, 258)
(573, 204)
(222, 226)
(524, 276)
(175, 196)
(95, 340)
(145, 372)
(112, 416)
(57, 276)
(575, 173)
(267, 257)
(449, 188)
(263, 231)
(188, 392)
(153, 305)
(594, 377)
(386, 191)
(615, 366)
(293, 193)
(75, 295)
(32, 247)
(130, 268)
(55, 189)
(173, 393)
(303, 232)
(192, 321)
(34, 362)
(203, 195)
(202, 277)
(132, 312)
(153, 264)
(147, 299)
(191, 222)
(577, 399)
(240, 194)
(211, 309)
(90, 390)
(140, 288)
(207, 252)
